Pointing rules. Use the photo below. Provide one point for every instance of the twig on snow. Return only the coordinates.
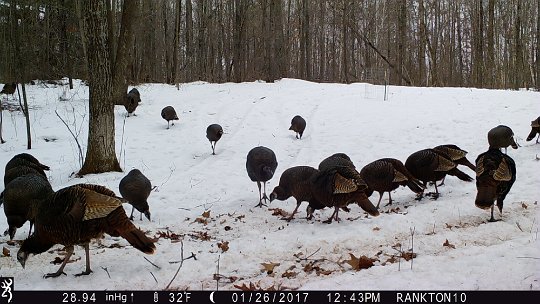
(106, 270)
(154, 277)
(152, 263)
(181, 262)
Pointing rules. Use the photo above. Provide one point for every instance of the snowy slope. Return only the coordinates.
(312, 255)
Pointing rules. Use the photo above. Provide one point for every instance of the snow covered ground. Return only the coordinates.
(204, 204)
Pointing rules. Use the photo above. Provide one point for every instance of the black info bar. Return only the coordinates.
(232, 297)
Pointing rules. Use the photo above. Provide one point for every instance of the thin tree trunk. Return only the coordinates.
(176, 41)
(125, 42)
(538, 44)
(490, 52)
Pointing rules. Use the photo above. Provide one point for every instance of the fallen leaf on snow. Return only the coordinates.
(244, 287)
(224, 246)
(279, 211)
(269, 267)
(447, 244)
(289, 274)
(5, 251)
(362, 262)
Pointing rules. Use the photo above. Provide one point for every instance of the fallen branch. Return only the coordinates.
(217, 276)
(309, 256)
(412, 244)
(181, 262)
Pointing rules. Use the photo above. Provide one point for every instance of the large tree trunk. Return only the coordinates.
(100, 154)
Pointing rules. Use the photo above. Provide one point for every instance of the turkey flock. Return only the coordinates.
(80, 213)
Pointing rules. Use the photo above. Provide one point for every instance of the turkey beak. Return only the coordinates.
(147, 214)
(21, 257)
(272, 196)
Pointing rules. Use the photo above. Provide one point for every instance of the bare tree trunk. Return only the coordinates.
(518, 54)
(538, 44)
(402, 30)
(490, 52)
(100, 154)
(344, 43)
(459, 45)
(478, 44)
(239, 39)
(189, 40)
(125, 42)
(26, 116)
(322, 42)
(176, 41)
(431, 48)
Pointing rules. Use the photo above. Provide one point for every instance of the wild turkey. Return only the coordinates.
(74, 216)
(495, 175)
(296, 182)
(501, 137)
(25, 159)
(136, 95)
(428, 165)
(298, 125)
(261, 164)
(168, 113)
(9, 88)
(131, 101)
(21, 198)
(338, 184)
(18, 171)
(457, 155)
(386, 175)
(214, 133)
(535, 129)
(135, 188)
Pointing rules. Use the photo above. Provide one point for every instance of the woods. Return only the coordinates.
(480, 43)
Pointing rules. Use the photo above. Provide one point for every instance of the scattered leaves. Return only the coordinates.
(269, 267)
(449, 226)
(362, 262)
(5, 252)
(244, 287)
(279, 212)
(206, 214)
(408, 255)
(168, 235)
(376, 228)
(227, 228)
(524, 206)
(447, 244)
(224, 246)
(201, 235)
(201, 220)
(289, 274)
(219, 277)
(58, 260)
(310, 267)
(12, 242)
